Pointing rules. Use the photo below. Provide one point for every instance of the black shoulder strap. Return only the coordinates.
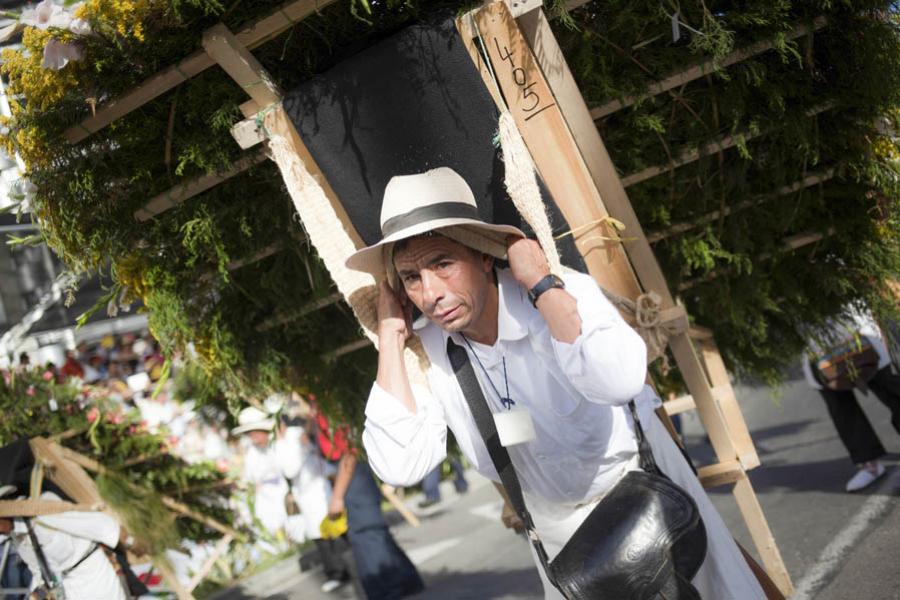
(484, 420)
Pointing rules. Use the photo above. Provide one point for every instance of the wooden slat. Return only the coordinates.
(679, 228)
(247, 133)
(679, 405)
(184, 191)
(555, 154)
(788, 244)
(233, 56)
(728, 403)
(252, 36)
(390, 493)
(691, 155)
(762, 535)
(712, 476)
(347, 349)
(291, 315)
(705, 67)
(615, 199)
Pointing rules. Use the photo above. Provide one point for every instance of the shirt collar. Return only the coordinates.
(514, 310)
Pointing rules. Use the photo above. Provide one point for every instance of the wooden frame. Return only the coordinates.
(570, 156)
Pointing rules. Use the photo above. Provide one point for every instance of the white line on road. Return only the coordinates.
(830, 559)
(426, 553)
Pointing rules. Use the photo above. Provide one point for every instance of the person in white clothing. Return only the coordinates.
(290, 462)
(71, 545)
(550, 351)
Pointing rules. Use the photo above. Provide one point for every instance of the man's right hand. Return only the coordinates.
(394, 313)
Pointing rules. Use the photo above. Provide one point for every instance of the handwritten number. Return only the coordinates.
(528, 93)
(500, 51)
(519, 75)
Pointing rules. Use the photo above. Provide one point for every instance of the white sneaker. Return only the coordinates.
(331, 585)
(866, 475)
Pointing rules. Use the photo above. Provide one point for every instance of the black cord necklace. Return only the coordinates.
(506, 401)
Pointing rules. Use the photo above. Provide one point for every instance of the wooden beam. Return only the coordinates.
(720, 474)
(184, 191)
(390, 493)
(234, 57)
(679, 228)
(347, 349)
(690, 155)
(291, 315)
(679, 405)
(549, 55)
(248, 133)
(215, 555)
(728, 403)
(762, 535)
(788, 244)
(267, 28)
(705, 67)
(555, 153)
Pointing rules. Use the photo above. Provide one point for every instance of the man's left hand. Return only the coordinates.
(527, 261)
(335, 507)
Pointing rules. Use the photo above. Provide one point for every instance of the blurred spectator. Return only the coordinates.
(72, 367)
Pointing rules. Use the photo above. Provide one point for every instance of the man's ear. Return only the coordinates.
(487, 262)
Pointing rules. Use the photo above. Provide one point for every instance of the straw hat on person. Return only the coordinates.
(253, 419)
(438, 200)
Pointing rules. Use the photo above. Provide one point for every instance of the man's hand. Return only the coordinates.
(394, 313)
(527, 261)
(335, 507)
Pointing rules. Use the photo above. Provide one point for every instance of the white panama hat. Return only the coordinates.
(253, 419)
(436, 200)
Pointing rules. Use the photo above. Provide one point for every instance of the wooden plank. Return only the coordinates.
(705, 67)
(728, 403)
(214, 556)
(184, 191)
(36, 507)
(762, 535)
(224, 48)
(690, 155)
(290, 315)
(347, 349)
(248, 133)
(250, 108)
(281, 19)
(390, 493)
(788, 244)
(552, 147)
(679, 228)
(679, 405)
(719, 474)
(546, 49)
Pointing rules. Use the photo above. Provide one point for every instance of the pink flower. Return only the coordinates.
(46, 14)
(116, 419)
(132, 429)
(93, 414)
(30, 390)
(47, 376)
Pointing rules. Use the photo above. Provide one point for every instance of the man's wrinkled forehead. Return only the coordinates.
(423, 250)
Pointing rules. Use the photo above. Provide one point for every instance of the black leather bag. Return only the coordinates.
(644, 540)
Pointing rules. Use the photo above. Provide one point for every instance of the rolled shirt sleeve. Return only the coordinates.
(403, 446)
(607, 362)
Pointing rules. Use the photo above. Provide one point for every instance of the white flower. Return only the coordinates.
(79, 27)
(46, 14)
(57, 54)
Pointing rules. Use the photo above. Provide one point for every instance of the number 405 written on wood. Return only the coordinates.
(530, 98)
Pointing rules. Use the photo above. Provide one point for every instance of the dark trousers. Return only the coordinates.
(383, 569)
(331, 551)
(432, 482)
(851, 423)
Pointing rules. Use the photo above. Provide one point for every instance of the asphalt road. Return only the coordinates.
(836, 545)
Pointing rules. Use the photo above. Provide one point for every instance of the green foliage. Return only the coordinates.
(808, 105)
(140, 467)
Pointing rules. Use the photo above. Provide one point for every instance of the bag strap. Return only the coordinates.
(50, 580)
(484, 421)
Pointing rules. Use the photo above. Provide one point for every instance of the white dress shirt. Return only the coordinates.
(576, 394)
(66, 538)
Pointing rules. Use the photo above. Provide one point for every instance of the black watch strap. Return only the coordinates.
(547, 283)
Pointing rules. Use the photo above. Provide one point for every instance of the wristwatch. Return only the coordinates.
(547, 283)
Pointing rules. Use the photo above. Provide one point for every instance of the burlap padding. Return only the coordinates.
(70, 477)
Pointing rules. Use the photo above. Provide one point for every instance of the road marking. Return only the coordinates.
(829, 561)
(426, 553)
(490, 510)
